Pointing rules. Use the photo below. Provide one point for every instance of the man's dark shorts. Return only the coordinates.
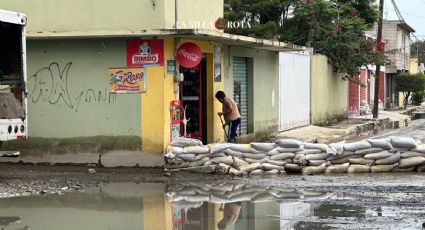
(233, 127)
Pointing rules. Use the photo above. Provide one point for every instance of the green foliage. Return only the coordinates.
(417, 49)
(418, 97)
(410, 82)
(332, 27)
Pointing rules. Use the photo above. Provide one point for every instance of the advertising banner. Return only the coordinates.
(145, 52)
(127, 80)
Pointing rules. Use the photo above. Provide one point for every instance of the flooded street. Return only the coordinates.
(71, 198)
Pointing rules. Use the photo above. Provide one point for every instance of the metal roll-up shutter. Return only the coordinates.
(240, 90)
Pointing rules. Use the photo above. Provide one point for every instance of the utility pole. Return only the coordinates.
(378, 66)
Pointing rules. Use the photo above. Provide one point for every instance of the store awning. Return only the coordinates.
(196, 34)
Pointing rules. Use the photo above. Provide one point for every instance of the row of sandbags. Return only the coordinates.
(192, 196)
(288, 155)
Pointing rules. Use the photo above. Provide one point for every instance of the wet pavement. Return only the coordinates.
(66, 197)
(55, 197)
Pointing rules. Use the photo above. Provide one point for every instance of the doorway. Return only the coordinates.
(194, 100)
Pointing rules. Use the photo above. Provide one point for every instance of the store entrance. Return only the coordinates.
(193, 97)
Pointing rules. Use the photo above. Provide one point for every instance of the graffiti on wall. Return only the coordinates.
(50, 85)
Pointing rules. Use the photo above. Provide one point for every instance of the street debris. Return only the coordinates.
(398, 154)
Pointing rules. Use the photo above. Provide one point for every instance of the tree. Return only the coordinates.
(335, 28)
(408, 83)
(417, 49)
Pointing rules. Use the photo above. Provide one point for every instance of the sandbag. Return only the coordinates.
(389, 160)
(398, 169)
(289, 143)
(412, 154)
(338, 168)
(217, 155)
(235, 172)
(183, 142)
(336, 148)
(175, 150)
(199, 162)
(293, 167)
(299, 159)
(282, 156)
(377, 156)
(244, 148)
(420, 168)
(358, 169)
(289, 150)
(382, 168)
(274, 171)
(383, 143)
(237, 162)
(233, 153)
(322, 147)
(197, 149)
(419, 149)
(274, 151)
(367, 151)
(361, 161)
(256, 172)
(356, 146)
(310, 151)
(344, 154)
(411, 161)
(278, 163)
(316, 162)
(344, 159)
(403, 142)
(227, 160)
(263, 147)
(199, 156)
(311, 170)
(319, 156)
(250, 160)
(219, 147)
(223, 168)
(268, 166)
(250, 167)
(257, 156)
(187, 157)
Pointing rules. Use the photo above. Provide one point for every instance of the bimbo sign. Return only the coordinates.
(145, 52)
(189, 55)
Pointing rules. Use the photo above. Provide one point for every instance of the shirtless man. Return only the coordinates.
(231, 114)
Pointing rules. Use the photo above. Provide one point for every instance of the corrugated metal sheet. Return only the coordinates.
(240, 90)
(294, 88)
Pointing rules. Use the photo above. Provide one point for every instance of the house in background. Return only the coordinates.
(396, 35)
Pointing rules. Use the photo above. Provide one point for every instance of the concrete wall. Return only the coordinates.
(68, 86)
(265, 93)
(396, 38)
(78, 17)
(329, 93)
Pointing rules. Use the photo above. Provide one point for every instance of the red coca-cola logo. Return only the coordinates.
(189, 54)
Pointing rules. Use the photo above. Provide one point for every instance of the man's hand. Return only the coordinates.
(220, 113)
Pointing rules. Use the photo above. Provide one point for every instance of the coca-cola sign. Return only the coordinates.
(189, 54)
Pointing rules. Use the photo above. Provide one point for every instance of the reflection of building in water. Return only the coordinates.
(290, 213)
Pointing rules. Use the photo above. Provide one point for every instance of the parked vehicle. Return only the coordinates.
(13, 76)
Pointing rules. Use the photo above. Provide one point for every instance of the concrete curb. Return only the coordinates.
(108, 160)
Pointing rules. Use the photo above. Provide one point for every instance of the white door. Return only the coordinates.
(294, 90)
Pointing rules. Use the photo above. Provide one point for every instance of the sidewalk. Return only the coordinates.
(355, 126)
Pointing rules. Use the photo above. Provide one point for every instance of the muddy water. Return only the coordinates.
(209, 206)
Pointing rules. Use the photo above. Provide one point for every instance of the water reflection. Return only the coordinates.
(190, 206)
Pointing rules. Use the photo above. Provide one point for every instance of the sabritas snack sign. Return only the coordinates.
(145, 52)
